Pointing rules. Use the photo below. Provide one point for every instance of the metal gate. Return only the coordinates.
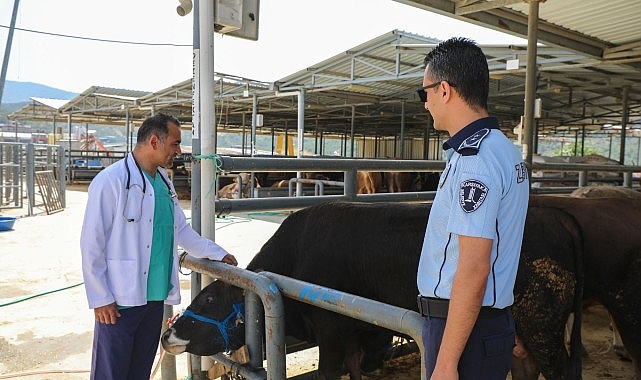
(19, 163)
(11, 174)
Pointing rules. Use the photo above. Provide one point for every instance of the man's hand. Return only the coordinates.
(229, 259)
(107, 314)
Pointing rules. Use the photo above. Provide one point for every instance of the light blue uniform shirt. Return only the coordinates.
(483, 192)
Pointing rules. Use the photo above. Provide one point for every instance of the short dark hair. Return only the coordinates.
(461, 62)
(155, 125)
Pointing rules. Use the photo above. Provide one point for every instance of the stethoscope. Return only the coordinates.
(128, 187)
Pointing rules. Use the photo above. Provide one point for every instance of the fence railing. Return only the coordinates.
(269, 287)
(19, 163)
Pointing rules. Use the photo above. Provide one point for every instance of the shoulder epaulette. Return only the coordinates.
(471, 145)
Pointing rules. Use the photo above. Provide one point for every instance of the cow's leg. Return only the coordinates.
(543, 331)
(523, 365)
(375, 345)
(352, 359)
(331, 344)
(617, 343)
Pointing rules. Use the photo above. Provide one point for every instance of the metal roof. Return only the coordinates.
(591, 27)
(375, 82)
(40, 109)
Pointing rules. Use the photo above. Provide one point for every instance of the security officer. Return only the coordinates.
(470, 253)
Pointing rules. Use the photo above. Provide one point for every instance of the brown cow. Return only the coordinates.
(368, 182)
(231, 191)
(402, 181)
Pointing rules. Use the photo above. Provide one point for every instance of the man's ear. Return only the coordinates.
(447, 91)
(154, 140)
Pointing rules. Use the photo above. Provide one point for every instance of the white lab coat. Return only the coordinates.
(116, 253)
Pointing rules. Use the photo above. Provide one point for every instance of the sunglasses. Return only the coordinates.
(422, 94)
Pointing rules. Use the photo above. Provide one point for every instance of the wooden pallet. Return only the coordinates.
(50, 191)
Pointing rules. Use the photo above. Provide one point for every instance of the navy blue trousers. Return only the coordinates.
(488, 353)
(126, 350)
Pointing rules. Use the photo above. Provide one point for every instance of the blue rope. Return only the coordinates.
(238, 312)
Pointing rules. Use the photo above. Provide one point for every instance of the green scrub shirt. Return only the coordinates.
(162, 243)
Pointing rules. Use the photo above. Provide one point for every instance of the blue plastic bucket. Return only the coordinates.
(6, 223)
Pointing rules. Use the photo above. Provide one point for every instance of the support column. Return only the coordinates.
(7, 50)
(624, 122)
(530, 81)
(301, 136)
(193, 361)
(401, 154)
(351, 134)
(206, 84)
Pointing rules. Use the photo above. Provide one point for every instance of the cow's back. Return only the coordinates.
(371, 250)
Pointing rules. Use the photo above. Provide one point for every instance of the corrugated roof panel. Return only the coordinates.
(615, 21)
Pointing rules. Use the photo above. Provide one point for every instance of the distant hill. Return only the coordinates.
(19, 92)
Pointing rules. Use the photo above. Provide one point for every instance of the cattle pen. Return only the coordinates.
(269, 287)
(53, 259)
(326, 298)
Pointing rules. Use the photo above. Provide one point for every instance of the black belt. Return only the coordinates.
(437, 308)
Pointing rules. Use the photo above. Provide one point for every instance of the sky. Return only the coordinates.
(293, 35)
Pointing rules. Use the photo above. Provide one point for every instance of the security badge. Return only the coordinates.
(444, 175)
(472, 194)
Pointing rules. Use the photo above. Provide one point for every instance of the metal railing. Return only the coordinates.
(18, 164)
(270, 287)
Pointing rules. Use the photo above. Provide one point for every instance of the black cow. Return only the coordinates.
(612, 259)
(372, 250)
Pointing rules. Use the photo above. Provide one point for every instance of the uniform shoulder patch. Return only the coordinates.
(471, 145)
(472, 194)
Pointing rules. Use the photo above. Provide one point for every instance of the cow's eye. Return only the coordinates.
(209, 300)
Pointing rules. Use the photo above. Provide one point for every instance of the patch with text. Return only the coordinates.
(521, 172)
(472, 194)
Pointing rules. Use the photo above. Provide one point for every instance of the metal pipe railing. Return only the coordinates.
(228, 206)
(273, 305)
(263, 164)
(380, 314)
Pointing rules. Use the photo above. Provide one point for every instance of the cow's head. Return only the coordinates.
(213, 323)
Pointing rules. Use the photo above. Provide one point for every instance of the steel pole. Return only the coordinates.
(530, 81)
(194, 361)
(301, 136)
(624, 122)
(7, 50)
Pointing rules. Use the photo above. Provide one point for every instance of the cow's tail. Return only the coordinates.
(576, 346)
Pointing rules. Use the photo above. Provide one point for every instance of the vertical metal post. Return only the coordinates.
(61, 175)
(627, 179)
(253, 139)
(583, 140)
(350, 183)
(193, 361)
(255, 325)
(402, 147)
(168, 363)
(53, 141)
(128, 145)
(583, 178)
(243, 136)
(69, 163)
(351, 134)
(530, 80)
(206, 85)
(624, 122)
(301, 136)
(31, 191)
(7, 49)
